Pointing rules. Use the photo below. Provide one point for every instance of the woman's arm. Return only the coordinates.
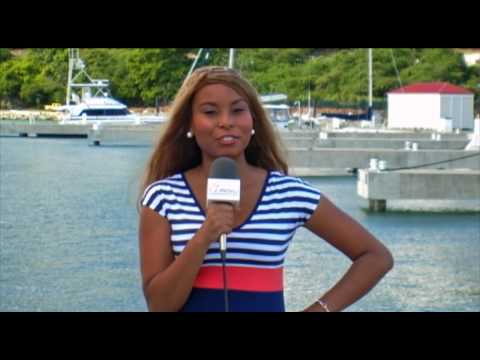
(168, 281)
(371, 259)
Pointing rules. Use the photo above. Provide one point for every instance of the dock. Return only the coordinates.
(417, 184)
(309, 152)
(376, 140)
(105, 134)
(352, 159)
(44, 129)
(143, 135)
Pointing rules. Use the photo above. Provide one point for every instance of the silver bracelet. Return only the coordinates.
(323, 305)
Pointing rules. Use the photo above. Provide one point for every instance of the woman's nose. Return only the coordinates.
(225, 120)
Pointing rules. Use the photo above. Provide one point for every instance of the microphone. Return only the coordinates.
(223, 185)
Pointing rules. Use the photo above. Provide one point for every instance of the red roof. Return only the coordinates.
(431, 88)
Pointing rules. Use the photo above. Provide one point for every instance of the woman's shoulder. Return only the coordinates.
(278, 176)
(171, 184)
(282, 181)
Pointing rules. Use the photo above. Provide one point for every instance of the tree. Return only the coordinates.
(140, 76)
(157, 73)
(4, 54)
(10, 84)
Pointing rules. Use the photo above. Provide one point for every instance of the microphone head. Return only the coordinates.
(223, 181)
(224, 168)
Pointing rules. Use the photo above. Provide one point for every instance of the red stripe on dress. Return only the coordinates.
(240, 278)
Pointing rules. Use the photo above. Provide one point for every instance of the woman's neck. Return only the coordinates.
(243, 167)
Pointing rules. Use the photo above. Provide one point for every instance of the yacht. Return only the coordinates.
(277, 110)
(279, 114)
(100, 108)
(104, 110)
(97, 109)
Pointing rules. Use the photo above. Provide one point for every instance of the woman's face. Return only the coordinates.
(221, 122)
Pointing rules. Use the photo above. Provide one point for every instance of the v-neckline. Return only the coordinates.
(254, 210)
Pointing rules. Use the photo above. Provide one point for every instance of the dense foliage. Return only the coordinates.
(35, 77)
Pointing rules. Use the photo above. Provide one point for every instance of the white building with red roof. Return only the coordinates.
(435, 105)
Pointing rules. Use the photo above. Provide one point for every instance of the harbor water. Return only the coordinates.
(68, 238)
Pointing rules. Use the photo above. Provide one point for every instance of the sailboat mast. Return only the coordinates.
(370, 83)
(194, 63)
(231, 57)
(71, 63)
(309, 100)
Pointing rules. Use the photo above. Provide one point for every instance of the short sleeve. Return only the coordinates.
(289, 199)
(154, 197)
(309, 197)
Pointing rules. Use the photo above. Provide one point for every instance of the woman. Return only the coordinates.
(217, 113)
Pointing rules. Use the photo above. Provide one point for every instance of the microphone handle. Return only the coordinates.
(223, 242)
(223, 253)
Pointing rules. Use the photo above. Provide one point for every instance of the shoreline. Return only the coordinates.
(56, 116)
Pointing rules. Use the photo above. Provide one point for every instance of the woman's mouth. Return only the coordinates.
(227, 140)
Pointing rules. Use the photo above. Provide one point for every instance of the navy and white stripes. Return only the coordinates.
(285, 204)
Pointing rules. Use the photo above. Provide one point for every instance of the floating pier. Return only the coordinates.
(138, 135)
(44, 129)
(309, 152)
(353, 159)
(417, 184)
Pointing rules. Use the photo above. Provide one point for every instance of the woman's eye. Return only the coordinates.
(209, 112)
(238, 110)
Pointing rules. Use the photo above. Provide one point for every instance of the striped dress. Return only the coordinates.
(255, 250)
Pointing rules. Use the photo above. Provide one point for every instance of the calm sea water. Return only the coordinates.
(68, 238)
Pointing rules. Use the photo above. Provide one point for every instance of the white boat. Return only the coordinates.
(84, 108)
(104, 110)
(279, 114)
(93, 109)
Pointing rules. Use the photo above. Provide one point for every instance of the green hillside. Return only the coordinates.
(35, 77)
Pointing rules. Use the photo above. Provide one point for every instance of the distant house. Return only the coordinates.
(273, 98)
(472, 58)
(436, 105)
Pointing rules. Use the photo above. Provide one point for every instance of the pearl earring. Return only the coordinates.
(253, 132)
(189, 134)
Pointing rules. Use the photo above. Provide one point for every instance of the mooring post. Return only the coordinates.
(377, 205)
